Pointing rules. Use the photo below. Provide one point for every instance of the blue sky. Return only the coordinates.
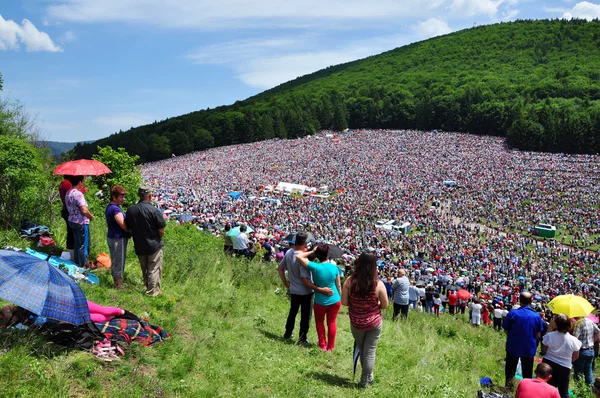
(87, 68)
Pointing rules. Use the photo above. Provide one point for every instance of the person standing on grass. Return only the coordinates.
(64, 187)
(452, 302)
(587, 332)
(325, 274)
(413, 295)
(117, 235)
(497, 318)
(475, 308)
(147, 227)
(560, 349)
(301, 289)
(400, 290)
(522, 326)
(538, 387)
(227, 241)
(79, 220)
(365, 297)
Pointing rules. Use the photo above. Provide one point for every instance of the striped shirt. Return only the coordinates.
(364, 311)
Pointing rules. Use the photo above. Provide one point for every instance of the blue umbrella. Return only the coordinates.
(41, 288)
(236, 231)
(234, 195)
(185, 218)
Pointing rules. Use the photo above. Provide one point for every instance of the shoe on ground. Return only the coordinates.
(287, 336)
(304, 342)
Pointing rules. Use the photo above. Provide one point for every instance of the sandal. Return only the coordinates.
(104, 351)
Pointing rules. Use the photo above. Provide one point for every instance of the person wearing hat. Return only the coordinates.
(147, 227)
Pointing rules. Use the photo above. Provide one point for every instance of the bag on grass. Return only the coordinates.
(103, 260)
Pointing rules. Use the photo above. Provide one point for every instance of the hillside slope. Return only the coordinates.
(226, 322)
(535, 82)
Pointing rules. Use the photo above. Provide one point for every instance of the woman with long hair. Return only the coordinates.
(325, 274)
(365, 297)
(560, 350)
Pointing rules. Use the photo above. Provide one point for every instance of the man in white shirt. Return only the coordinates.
(240, 242)
(497, 318)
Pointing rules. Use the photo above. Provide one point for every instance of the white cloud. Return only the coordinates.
(68, 36)
(469, 8)
(124, 120)
(266, 63)
(432, 27)
(13, 34)
(234, 51)
(583, 10)
(205, 14)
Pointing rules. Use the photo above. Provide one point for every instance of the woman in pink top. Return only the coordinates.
(365, 297)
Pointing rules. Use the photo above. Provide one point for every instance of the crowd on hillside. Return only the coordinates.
(477, 231)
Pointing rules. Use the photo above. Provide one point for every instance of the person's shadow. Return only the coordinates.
(275, 337)
(330, 379)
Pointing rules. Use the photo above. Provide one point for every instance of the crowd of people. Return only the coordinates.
(474, 234)
(477, 232)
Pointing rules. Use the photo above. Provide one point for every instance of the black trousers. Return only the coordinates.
(70, 239)
(498, 324)
(560, 378)
(305, 304)
(510, 368)
(399, 308)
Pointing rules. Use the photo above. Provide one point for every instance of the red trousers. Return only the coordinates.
(331, 311)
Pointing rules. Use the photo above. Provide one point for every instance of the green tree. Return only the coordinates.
(123, 173)
(22, 176)
(202, 139)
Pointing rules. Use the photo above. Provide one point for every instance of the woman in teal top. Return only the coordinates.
(324, 274)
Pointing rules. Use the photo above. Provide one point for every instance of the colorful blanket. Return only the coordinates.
(128, 330)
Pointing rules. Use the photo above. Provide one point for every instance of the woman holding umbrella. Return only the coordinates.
(79, 220)
(365, 297)
(325, 274)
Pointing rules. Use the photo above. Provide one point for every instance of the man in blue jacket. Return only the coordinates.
(523, 326)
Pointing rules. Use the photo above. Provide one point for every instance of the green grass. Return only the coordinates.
(226, 323)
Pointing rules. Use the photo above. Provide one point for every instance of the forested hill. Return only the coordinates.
(536, 82)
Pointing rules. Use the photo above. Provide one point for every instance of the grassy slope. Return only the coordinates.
(226, 322)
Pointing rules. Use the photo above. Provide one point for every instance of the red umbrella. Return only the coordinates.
(82, 167)
(463, 294)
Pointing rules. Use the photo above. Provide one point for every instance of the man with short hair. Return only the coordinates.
(301, 289)
(523, 326)
(587, 332)
(538, 387)
(147, 227)
(240, 242)
(413, 295)
(400, 290)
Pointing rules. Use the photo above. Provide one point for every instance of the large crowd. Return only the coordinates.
(476, 233)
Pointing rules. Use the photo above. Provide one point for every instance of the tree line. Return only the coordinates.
(534, 82)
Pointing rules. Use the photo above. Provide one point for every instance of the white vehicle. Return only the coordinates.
(387, 225)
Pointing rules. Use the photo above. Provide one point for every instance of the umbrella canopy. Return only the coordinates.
(334, 252)
(185, 218)
(430, 269)
(292, 237)
(236, 231)
(82, 167)
(234, 194)
(452, 287)
(41, 288)
(571, 305)
(593, 317)
(463, 294)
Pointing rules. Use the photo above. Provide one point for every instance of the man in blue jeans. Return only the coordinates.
(523, 326)
(301, 289)
(587, 332)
